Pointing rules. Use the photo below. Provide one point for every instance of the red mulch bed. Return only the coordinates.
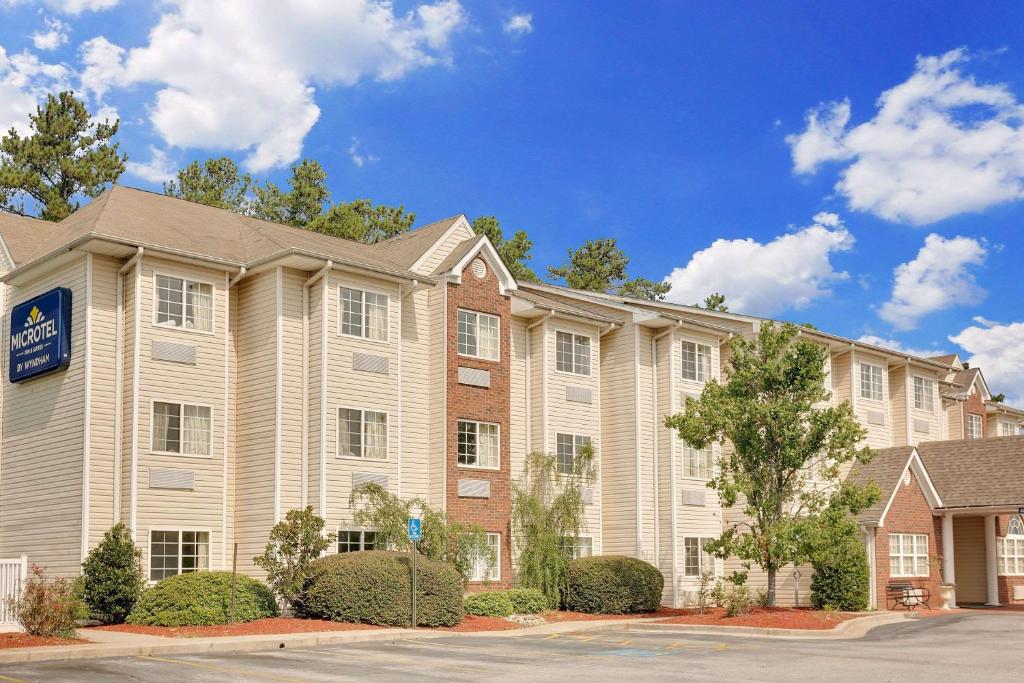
(765, 617)
(9, 640)
(473, 623)
(273, 625)
(662, 613)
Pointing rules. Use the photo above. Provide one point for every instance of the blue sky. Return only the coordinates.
(739, 147)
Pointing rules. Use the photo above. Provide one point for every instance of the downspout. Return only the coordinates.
(636, 444)
(401, 426)
(229, 283)
(657, 463)
(119, 382)
(529, 383)
(304, 475)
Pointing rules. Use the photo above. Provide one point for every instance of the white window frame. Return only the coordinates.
(927, 398)
(702, 372)
(458, 343)
(1010, 548)
(703, 558)
(497, 448)
(689, 452)
(181, 429)
(477, 575)
(179, 531)
(870, 386)
(913, 557)
(362, 434)
(1008, 428)
(575, 367)
(573, 545)
(362, 540)
(184, 295)
(578, 441)
(980, 422)
(365, 315)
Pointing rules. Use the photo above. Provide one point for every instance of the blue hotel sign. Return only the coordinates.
(40, 335)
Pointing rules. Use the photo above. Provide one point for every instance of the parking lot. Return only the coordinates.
(971, 646)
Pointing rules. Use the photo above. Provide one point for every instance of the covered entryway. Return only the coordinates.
(969, 560)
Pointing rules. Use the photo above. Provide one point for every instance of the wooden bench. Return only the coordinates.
(906, 594)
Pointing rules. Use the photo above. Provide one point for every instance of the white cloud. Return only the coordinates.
(519, 23)
(359, 158)
(56, 34)
(791, 271)
(896, 345)
(102, 60)
(999, 351)
(937, 278)
(939, 145)
(73, 7)
(240, 75)
(24, 82)
(159, 169)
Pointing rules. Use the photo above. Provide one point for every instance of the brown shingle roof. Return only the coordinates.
(24, 235)
(406, 248)
(976, 472)
(945, 360)
(885, 470)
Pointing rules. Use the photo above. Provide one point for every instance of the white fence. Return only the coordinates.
(12, 577)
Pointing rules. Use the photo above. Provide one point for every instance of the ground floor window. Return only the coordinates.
(178, 552)
(1011, 549)
(697, 559)
(908, 555)
(480, 572)
(581, 546)
(353, 541)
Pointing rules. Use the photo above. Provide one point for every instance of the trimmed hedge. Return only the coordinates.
(202, 599)
(374, 587)
(842, 582)
(506, 603)
(612, 584)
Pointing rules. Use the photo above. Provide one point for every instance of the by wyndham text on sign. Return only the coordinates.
(40, 335)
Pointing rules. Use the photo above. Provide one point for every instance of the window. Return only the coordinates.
(697, 464)
(581, 546)
(178, 552)
(478, 335)
(696, 559)
(567, 447)
(1008, 429)
(480, 572)
(364, 314)
(478, 444)
(871, 381)
(181, 428)
(1011, 549)
(572, 353)
(362, 434)
(696, 362)
(184, 304)
(974, 429)
(354, 541)
(908, 555)
(924, 394)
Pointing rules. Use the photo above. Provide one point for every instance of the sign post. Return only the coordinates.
(415, 534)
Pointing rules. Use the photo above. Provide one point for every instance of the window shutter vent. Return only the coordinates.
(173, 352)
(369, 362)
(695, 497)
(474, 488)
(162, 478)
(876, 417)
(921, 426)
(588, 495)
(474, 377)
(360, 478)
(578, 394)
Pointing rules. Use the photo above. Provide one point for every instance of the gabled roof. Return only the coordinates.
(885, 469)
(21, 235)
(965, 379)
(976, 472)
(407, 248)
(950, 359)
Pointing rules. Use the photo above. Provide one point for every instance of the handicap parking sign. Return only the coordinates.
(415, 530)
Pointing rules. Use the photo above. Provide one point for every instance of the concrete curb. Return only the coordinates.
(854, 628)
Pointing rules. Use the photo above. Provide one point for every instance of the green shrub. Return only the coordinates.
(527, 600)
(294, 543)
(202, 599)
(613, 585)
(842, 579)
(112, 577)
(48, 607)
(373, 587)
(490, 604)
(739, 601)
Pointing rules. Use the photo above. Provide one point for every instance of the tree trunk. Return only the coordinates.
(771, 586)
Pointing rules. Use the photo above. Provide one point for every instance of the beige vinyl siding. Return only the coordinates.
(618, 439)
(933, 417)
(539, 400)
(255, 418)
(899, 406)
(314, 406)
(437, 299)
(969, 559)
(43, 443)
(955, 421)
(878, 435)
(443, 248)
(415, 369)
(202, 384)
(665, 450)
(646, 424)
(842, 387)
(291, 390)
(129, 343)
(519, 439)
(347, 388)
(102, 411)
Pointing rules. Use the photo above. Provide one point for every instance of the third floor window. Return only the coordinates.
(696, 361)
(478, 335)
(572, 353)
(184, 304)
(924, 394)
(363, 314)
(871, 382)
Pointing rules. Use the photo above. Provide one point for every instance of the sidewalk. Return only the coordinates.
(121, 644)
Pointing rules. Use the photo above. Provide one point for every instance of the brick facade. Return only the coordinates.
(909, 514)
(975, 405)
(491, 404)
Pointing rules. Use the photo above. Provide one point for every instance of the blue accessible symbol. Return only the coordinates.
(415, 530)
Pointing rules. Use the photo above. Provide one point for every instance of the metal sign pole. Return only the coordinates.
(414, 586)
(415, 533)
